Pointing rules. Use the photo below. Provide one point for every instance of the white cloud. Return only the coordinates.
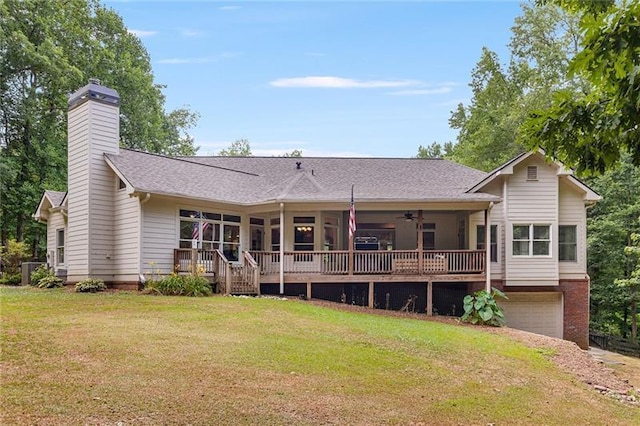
(192, 33)
(338, 82)
(142, 33)
(435, 91)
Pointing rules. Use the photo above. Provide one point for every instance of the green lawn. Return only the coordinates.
(70, 358)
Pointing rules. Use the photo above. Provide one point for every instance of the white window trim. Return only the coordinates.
(575, 226)
(497, 243)
(58, 247)
(221, 222)
(531, 240)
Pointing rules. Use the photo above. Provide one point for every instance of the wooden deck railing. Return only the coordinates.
(234, 278)
(373, 262)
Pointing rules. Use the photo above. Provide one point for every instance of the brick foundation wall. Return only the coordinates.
(576, 311)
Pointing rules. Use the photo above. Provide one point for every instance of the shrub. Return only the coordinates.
(12, 255)
(179, 285)
(90, 285)
(11, 279)
(50, 281)
(482, 308)
(39, 273)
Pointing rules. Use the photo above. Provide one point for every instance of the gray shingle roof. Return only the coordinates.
(56, 197)
(255, 180)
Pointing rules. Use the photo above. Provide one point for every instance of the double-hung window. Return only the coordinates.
(568, 243)
(60, 247)
(531, 240)
(481, 236)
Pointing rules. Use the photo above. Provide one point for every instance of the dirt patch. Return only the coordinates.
(566, 355)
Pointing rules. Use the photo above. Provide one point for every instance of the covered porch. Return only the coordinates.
(312, 248)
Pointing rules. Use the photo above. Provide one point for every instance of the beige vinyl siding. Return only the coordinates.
(104, 138)
(93, 130)
(56, 221)
(76, 249)
(572, 212)
(126, 234)
(532, 202)
(159, 234)
(497, 218)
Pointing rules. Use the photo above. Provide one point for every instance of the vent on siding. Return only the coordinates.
(532, 172)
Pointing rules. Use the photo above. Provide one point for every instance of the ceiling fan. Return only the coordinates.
(408, 216)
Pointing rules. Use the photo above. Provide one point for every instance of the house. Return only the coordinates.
(427, 230)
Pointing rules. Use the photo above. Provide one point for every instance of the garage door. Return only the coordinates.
(535, 312)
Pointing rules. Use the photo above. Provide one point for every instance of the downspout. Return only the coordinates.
(281, 248)
(141, 278)
(487, 246)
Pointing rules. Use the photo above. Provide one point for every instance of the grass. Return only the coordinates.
(109, 358)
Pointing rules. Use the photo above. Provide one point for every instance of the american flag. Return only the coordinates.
(352, 216)
(195, 234)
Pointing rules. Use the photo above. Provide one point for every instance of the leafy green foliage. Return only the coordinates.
(610, 225)
(482, 308)
(48, 50)
(90, 285)
(42, 271)
(179, 285)
(11, 279)
(632, 282)
(11, 256)
(543, 39)
(435, 150)
(238, 148)
(50, 281)
(592, 127)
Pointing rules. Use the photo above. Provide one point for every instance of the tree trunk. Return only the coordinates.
(634, 317)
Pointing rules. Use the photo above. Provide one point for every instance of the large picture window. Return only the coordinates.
(211, 231)
(531, 240)
(568, 243)
(481, 238)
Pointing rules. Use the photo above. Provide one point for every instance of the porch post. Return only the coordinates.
(352, 230)
(420, 244)
(194, 261)
(371, 294)
(487, 246)
(429, 298)
(281, 248)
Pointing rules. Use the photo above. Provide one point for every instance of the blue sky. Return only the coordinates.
(369, 79)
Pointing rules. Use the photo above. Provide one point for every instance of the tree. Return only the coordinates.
(543, 39)
(48, 49)
(611, 224)
(294, 153)
(632, 283)
(435, 150)
(592, 127)
(238, 148)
